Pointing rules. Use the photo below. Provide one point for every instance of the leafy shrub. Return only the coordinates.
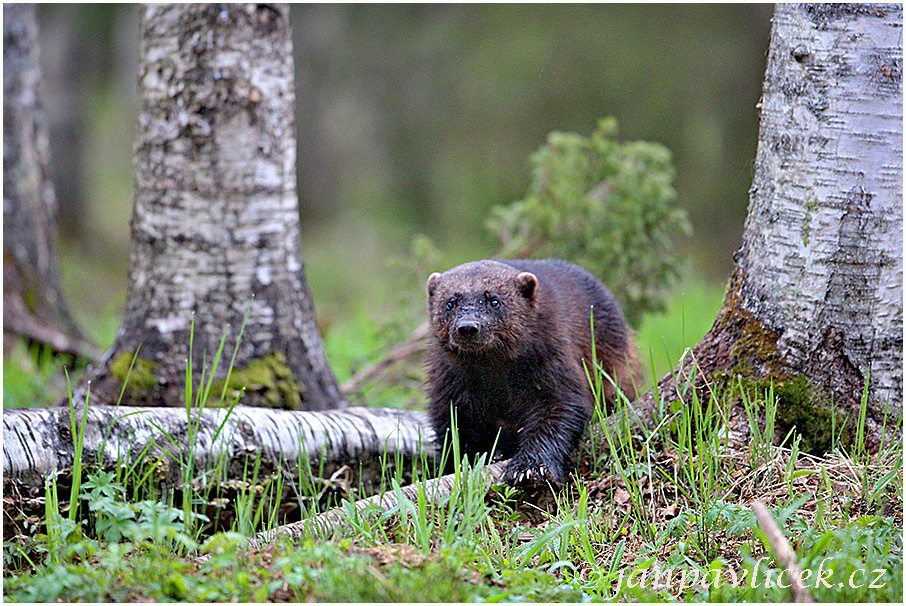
(605, 205)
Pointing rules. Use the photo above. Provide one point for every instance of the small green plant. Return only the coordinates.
(29, 374)
(762, 447)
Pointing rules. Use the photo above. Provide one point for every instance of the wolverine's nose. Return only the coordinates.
(467, 328)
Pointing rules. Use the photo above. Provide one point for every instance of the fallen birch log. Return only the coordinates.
(323, 524)
(38, 442)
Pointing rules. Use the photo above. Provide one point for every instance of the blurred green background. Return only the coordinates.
(418, 119)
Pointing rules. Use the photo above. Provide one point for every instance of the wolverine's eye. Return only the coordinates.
(495, 303)
(450, 304)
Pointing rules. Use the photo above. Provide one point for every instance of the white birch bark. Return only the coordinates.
(822, 257)
(215, 227)
(817, 289)
(38, 442)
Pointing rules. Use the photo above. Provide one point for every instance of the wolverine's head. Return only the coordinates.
(483, 306)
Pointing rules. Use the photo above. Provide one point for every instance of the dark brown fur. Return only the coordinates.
(517, 368)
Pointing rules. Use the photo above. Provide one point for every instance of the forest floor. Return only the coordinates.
(657, 513)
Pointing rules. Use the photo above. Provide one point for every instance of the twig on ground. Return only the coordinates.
(783, 553)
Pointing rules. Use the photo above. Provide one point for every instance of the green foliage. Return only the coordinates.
(605, 205)
(858, 562)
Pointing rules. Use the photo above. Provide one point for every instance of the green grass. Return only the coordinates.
(668, 502)
(692, 307)
(31, 377)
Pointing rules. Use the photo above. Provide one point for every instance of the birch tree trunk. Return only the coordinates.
(815, 302)
(822, 255)
(33, 304)
(215, 228)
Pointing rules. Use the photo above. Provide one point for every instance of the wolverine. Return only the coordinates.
(510, 341)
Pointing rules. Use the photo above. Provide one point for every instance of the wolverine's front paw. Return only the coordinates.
(530, 470)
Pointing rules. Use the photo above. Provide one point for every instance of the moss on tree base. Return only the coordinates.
(754, 364)
(269, 377)
(267, 381)
(140, 380)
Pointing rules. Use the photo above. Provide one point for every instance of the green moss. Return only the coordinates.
(269, 378)
(756, 348)
(141, 379)
(757, 365)
(804, 407)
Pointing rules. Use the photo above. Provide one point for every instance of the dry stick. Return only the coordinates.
(783, 553)
(417, 343)
(325, 523)
(25, 325)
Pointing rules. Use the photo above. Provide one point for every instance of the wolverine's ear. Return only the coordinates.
(526, 283)
(432, 283)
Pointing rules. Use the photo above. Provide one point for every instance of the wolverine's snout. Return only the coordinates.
(467, 329)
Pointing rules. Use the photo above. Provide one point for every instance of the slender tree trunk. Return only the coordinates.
(66, 74)
(815, 302)
(215, 228)
(33, 304)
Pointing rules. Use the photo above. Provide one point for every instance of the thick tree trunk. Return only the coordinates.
(215, 228)
(821, 263)
(815, 301)
(33, 304)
